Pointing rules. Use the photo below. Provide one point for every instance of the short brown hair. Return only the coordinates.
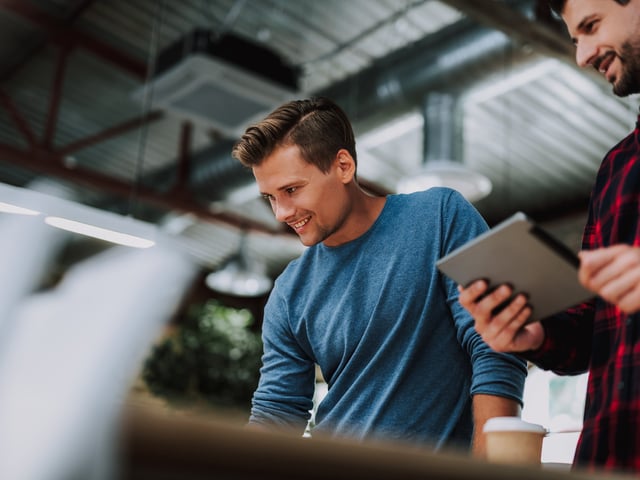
(557, 6)
(318, 126)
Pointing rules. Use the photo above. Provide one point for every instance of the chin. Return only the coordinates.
(627, 84)
(307, 242)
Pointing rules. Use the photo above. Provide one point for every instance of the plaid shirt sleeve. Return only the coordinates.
(597, 336)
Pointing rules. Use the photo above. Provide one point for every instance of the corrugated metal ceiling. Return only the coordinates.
(532, 123)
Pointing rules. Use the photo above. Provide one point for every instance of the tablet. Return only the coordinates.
(522, 254)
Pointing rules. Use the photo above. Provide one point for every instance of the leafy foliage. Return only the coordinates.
(213, 355)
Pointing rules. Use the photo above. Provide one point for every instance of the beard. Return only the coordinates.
(629, 81)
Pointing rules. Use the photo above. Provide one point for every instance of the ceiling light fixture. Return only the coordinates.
(75, 217)
(240, 275)
(124, 230)
(10, 208)
(445, 173)
(441, 147)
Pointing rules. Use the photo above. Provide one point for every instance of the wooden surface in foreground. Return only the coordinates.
(159, 445)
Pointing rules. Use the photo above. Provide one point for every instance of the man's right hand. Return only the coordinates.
(505, 330)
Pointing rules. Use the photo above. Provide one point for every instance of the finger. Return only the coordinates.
(469, 295)
(529, 337)
(511, 337)
(624, 291)
(593, 262)
(483, 310)
(617, 274)
(519, 312)
(505, 325)
(616, 288)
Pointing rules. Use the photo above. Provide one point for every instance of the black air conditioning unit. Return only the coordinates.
(225, 82)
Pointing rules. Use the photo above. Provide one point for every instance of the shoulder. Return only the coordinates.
(432, 196)
(295, 270)
(438, 202)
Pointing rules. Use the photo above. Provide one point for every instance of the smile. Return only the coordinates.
(604, 63)
(300, 224)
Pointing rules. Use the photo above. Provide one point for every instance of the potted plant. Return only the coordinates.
(212, 355)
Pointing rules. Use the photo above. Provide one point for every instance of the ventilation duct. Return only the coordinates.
(461, 48)
(442, 156)
(451, 59)
(224, 82)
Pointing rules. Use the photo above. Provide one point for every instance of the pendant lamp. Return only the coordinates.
(240, 275)
(441, 153)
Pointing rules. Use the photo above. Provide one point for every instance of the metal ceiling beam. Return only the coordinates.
(512, 21)
(19, 120)
(539, 31)
(55, 98)
(48, 163)
(67, 35)
(110, 132)
(34, 46)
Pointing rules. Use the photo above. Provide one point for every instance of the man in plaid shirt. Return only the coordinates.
(601, 336)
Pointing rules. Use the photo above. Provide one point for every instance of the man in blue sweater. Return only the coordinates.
(365, 301)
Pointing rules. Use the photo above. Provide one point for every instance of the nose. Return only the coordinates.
(282, 210)
(586, 53)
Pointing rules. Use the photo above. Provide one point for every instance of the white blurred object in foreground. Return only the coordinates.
(71, 356)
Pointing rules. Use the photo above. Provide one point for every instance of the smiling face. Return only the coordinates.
(607, 37)
(316, 205)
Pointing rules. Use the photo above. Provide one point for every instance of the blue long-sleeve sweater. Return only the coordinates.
(400, 355)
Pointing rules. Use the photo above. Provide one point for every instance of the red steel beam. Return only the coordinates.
(18, 119)
(48, 163)
(70, 36)
(45, 160)
(184, 155)
(109, 133)
(56, 95)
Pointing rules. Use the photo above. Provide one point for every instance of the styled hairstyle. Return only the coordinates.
(318, 126)
(557, 6)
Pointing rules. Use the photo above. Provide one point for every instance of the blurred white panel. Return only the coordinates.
(72, 355)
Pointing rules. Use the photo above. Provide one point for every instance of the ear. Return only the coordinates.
(345, 166)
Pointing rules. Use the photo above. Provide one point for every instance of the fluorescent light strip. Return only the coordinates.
(98, 232)
(75, 217)
(10, 208)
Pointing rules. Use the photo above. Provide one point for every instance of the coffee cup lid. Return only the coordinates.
(512, 424)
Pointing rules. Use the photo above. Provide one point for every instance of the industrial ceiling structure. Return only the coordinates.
(108, 99)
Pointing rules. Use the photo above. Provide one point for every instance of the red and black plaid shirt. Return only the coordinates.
(597, 336)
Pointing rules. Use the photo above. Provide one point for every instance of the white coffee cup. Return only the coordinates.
(512, 440)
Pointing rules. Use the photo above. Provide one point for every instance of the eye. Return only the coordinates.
(267, 196)
(590, 27)
(291, 190)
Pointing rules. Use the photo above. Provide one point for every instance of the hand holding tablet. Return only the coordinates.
(520, 253)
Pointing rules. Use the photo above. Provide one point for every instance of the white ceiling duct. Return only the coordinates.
(442, 166)
(223, 82)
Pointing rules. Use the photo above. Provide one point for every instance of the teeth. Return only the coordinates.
(603, 65)
(301, 223)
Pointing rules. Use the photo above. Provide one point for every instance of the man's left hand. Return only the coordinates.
(614, 274)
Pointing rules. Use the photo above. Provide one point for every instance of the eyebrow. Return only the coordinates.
(584, 21)
(281, 189)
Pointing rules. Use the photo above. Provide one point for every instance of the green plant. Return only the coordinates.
(213, 354)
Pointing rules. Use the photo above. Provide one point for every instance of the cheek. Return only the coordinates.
(334, 205)
(329, 199)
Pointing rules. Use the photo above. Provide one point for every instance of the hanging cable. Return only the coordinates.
(147, 101)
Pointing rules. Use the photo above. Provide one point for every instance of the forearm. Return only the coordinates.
(484, 408)
(567, 345)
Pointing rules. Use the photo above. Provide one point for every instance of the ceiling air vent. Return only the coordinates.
(223, 81)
